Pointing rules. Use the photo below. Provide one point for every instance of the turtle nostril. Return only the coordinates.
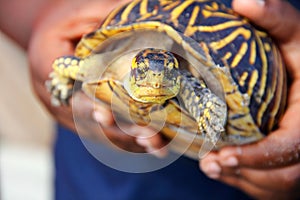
(156, 85)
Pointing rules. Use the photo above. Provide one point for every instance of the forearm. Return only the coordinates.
(17, 18)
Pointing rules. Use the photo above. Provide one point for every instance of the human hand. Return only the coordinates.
(56, 33)
(269, 168)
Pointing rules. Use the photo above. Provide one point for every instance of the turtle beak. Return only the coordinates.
(156, 85)
(155, 79)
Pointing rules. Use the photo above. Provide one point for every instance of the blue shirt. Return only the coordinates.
(78, 175)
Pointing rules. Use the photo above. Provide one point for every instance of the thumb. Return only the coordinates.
(277, 16)
(272, 152)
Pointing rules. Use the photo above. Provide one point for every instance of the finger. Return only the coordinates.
(103, 116)
(210, 166)
(280, 148)
(144, 136)
(121, 134)
(250, 189)
(288, 178)
(62, 114)
(121, 140)
(84, 116)
(148, 137)
(212, 169)
(257, 183)
(276, 16)
(262, 184)
(280, 19)
(153, 142)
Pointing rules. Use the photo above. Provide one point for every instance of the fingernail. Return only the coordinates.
(142, 132)
(143, 142)
(261, 2)
(100, 118)
(230, 162)
(212, 170)
(160, 153)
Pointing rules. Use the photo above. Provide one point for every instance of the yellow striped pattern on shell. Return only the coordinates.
(250, 67)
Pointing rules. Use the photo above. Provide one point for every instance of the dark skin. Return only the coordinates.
(268, 169)
(43, 33)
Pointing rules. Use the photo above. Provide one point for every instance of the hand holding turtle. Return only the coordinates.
(269, 168)
(55, 34)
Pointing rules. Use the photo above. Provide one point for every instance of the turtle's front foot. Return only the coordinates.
(213, 117)
(61, 89)
(208, 109)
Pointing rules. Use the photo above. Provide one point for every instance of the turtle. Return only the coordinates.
(195, 69)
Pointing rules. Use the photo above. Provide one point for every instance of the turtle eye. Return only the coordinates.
(171, 74)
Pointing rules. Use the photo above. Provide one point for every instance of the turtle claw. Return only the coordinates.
(213, 118)
(60, 88)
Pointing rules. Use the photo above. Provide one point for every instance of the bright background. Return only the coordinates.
(26, 131)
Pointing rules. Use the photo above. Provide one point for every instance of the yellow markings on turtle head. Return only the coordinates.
(142, 64)
(134, 63)
(170, 65)
(173, 64)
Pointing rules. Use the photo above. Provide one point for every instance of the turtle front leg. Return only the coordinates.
(208, 109)
(62, 79)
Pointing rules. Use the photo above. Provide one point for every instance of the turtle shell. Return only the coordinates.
(239, 63)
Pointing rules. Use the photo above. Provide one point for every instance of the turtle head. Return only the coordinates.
(154, 76)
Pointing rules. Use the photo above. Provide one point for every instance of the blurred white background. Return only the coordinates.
(26, 131)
